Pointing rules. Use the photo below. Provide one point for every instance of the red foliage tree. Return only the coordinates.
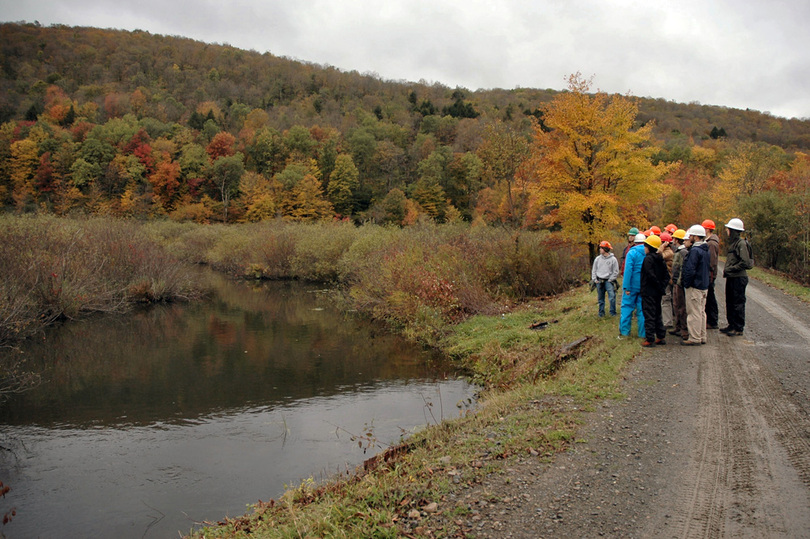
(222, 145)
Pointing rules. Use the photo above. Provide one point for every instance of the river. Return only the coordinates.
(152, 423)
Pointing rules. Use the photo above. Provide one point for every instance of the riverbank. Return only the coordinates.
(546, 364)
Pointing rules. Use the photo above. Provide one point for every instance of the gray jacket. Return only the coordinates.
(605, 267)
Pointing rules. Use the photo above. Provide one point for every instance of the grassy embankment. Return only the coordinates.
(782, 282)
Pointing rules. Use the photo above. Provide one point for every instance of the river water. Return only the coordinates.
(151, 423)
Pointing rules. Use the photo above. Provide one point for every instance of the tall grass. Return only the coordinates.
(56, 268)
(420, 279)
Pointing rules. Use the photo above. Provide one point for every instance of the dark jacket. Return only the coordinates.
(738, 259)
(695, 272)
(654, 275)
(713, 242)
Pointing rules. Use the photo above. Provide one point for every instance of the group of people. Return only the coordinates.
(668, 279)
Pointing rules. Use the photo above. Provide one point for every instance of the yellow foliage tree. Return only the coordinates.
(592, 169)
(744, 173)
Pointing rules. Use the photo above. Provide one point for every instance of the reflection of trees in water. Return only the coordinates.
(248, 345)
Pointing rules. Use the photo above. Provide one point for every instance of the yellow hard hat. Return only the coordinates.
(653, 241)
(680, 234)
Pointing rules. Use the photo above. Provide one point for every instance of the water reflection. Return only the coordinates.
(173, 415)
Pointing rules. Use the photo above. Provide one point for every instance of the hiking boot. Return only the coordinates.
(674, 332)
(690, 343)
(647, 343)
(726, 329)
(734, 333)
(660, 341)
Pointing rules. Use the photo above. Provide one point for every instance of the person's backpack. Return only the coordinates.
(750, 264)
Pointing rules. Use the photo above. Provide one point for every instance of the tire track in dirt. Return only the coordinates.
(700, 508)
(749, 470)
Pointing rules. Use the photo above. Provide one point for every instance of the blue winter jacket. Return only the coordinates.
(696, 267)
(631, 282)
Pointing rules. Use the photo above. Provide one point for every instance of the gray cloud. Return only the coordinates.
(742, 54)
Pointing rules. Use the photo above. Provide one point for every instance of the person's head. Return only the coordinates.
(734, 227)
(695, 234)
(655, 230)
(652, 243)
(671, 228)
(708, 224)
(639, 239)
(605, 247)
(679, 236)
(631, 235)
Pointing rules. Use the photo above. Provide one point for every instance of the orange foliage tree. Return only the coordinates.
(592, 169)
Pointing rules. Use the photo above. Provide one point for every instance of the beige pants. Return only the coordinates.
(696, 314)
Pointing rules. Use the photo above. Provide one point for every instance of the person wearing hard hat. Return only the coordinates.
(654, 279)
(713, 241)
(631, 282)
(604, 273)
(739, 259)
(668, 255)
(631, 238)
(678, 298)
(695, 277)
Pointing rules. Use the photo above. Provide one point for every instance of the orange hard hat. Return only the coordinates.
(605, 244)
(655, 230)
(708, 223)
(671, 228)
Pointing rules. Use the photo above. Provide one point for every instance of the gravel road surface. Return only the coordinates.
(711, 441)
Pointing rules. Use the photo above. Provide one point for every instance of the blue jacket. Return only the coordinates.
(631, 282)
(696, 267)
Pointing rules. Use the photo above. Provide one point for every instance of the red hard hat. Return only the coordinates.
(708, 223)
(665, 236)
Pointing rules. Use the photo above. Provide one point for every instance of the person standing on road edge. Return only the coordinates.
(713, 241)
(668, 255)
(654, 280)
(631, 239)
(631, 282)
(739, 259)
(604, 273)
(696, 284)
(678, 297)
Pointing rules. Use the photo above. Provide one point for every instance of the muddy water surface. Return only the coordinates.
(154, 422)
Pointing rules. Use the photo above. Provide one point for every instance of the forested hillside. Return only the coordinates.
(135, 124)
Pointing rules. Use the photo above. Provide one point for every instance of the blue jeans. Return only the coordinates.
(601, 287)
(631, 302)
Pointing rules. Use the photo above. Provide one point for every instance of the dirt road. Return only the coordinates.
(711, 441)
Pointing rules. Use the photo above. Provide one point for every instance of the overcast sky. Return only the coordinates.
(735, 53)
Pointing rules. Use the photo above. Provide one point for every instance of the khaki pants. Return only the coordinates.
(696, 314)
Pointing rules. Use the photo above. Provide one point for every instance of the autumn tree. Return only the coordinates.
(745, 173)
(592, 168)
(342, 184)
(502, 154)
(225, 174)
(24, 163)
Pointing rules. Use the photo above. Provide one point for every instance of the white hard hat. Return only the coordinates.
(640, 238)
(696, 230)
(735, 224)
